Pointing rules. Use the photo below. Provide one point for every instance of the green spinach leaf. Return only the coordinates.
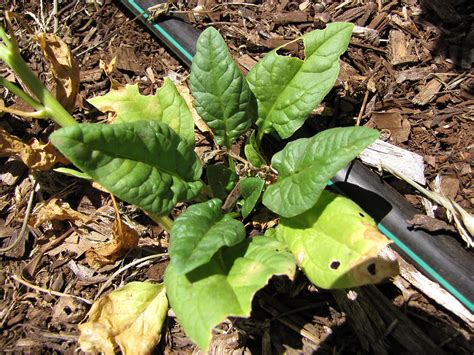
(222, 96)
(288, 89)
(225, 285)
(251, 188)
(142, 162)
(199, 232)
(305, 166)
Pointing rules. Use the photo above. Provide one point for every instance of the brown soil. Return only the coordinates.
(416, 64)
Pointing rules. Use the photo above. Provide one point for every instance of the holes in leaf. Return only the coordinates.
(334, 265)
(361, 214)
(371, 268)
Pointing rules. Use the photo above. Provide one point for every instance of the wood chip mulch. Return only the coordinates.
(407, 72)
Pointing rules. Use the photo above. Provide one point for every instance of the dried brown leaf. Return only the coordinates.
(36, 155)
(430, 224)
(198, 121)
(124, 239)
(108, 69)
(55, 210)
(63, 66)
(130, 318)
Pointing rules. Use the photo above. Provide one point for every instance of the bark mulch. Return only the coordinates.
(407, 72)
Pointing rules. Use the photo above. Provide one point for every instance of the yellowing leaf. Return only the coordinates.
(36, 156)
(64, 68)
(129, 318)
(53, 209)
(336, 244)
(167, 106)
(124, 239)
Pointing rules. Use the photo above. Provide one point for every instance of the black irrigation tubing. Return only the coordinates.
(440, 257)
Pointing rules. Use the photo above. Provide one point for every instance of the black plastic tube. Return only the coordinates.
(440, 257)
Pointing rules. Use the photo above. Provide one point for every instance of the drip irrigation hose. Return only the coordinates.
(440, 256)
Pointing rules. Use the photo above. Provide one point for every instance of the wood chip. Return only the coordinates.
(428, 92)
(414, 74)
(400, 48)
(398, 126)
(246, 62)
(434, 291)
(292, 17)
(381, 153)
(126, 59)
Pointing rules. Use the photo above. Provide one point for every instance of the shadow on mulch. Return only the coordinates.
(296, 319)
(455, 30)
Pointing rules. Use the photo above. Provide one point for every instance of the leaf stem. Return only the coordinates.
(21, 94)
(52, 106)
(36, 114)
(260, 134)
(231, 163)
(10, 54)
(164, 221)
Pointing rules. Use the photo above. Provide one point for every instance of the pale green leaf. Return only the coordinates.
(251, 188)
(252, 152)
(199, 232)
(225, 286)
(165, 106)
(143, 162)
(73, 173)
(130, 317)
(336, 244)
(288, 89)
(221, 93)
(305, 166)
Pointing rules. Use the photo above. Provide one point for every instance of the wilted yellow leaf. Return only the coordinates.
(124, 239)
(188, 98)
(108, 69)
(36, 155)
(56, 210)
(130, 318)
(64, 68)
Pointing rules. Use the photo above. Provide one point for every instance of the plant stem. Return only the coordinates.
(164, 221)
(52, 106)
(21, 94)
(35, 114)
(10, 54)
(259, 137)
(231, 163)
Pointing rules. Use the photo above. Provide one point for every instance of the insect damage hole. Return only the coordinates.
(371, 268)
(334, 265)
(361, 214)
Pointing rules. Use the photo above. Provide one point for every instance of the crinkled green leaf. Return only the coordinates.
(130, 317)
(221, 180)
(225, 286)
(336, 244)
(252, 152)
(305, 166)
(165, 106)
(288, 89)
(251, 189)
(199, 232)
(143, 162)
(222, 96)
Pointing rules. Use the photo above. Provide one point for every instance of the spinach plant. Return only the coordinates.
(146, 157)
